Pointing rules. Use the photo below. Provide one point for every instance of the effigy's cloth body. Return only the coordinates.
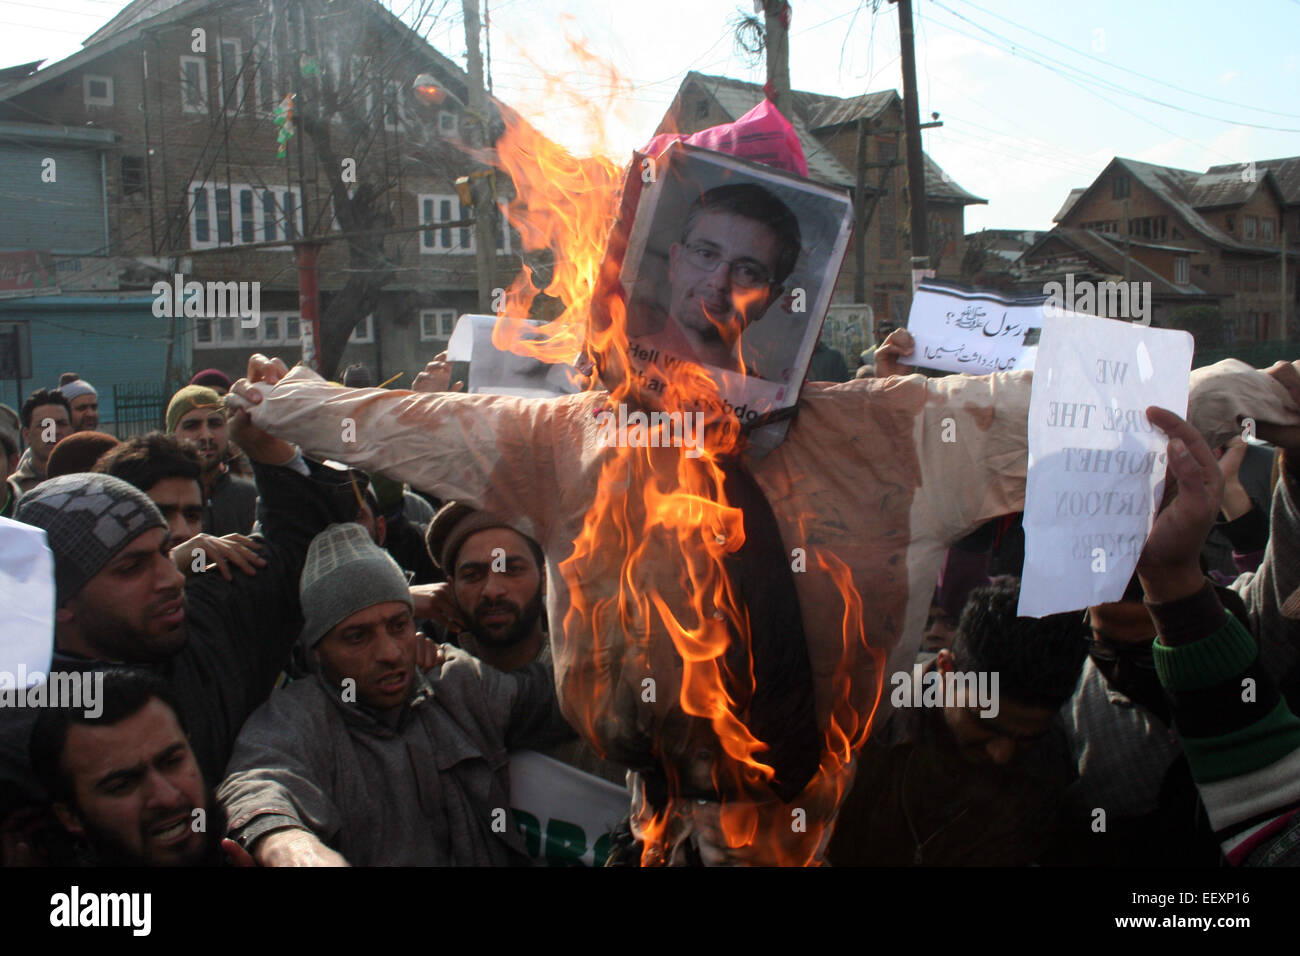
(863, 480)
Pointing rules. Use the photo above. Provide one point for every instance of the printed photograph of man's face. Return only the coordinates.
(738, 245)
(730, 271)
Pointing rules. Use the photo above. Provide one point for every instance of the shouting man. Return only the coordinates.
(375, 760)
(125, 782)
(120, 599)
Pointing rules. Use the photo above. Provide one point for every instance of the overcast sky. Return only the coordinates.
(1035, 97)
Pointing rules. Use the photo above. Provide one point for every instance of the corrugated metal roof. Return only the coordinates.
(939, 186)
(128, 24)
(129, 15)
(1186, 191)
(18, 72)
(1175, 187)
(1222, 188)
(93, 51)
(1070, 200)
(1106, 251)
(820, 110)
(1168, 180)
(1286, 173)
(67, 135)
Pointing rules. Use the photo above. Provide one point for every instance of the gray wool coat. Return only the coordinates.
(432, 790)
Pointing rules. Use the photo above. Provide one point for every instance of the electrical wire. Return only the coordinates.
(1083, 78)
(1094, 58)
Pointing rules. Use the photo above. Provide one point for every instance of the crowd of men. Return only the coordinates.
(325, 653)
(258, 620)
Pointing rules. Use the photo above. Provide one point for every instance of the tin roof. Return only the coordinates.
(939, 186)
(821, 111)
(1285, 173)
(1175, 187)
(1222, 188)
(1070, 200)
(1105, 250)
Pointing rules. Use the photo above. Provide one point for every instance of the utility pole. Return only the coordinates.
(1281, 284)
(776, 32)
(1127, 231)
(313, 339)
(912, 126)
(485, 244)
(862, 211)
(309, 303)
(860, 219)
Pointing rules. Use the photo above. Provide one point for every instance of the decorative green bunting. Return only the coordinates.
(284, 120)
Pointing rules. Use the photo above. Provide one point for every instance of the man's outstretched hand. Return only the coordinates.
(260, 446)
(1170, 567)
(294, 847)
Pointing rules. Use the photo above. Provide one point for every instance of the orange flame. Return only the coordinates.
(651, 503)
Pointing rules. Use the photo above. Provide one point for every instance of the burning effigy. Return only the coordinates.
(735, 558)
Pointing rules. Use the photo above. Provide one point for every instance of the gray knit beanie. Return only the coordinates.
(346, 572)
(88, 519)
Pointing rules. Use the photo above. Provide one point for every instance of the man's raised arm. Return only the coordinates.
(493, 452)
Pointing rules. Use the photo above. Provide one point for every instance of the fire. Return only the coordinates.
(654, 502)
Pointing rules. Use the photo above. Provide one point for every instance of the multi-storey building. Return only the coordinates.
(183, 99)
(1229, 237)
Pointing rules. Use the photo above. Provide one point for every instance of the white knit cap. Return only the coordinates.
(77, 389)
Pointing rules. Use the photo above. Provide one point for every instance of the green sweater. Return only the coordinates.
(1240, 737)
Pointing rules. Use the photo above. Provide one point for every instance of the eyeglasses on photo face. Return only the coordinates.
(745, 272)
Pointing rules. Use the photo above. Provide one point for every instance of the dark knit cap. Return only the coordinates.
(88, 519)
(452, 525)
(212, 378)
(345, 572)
(78, 452)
